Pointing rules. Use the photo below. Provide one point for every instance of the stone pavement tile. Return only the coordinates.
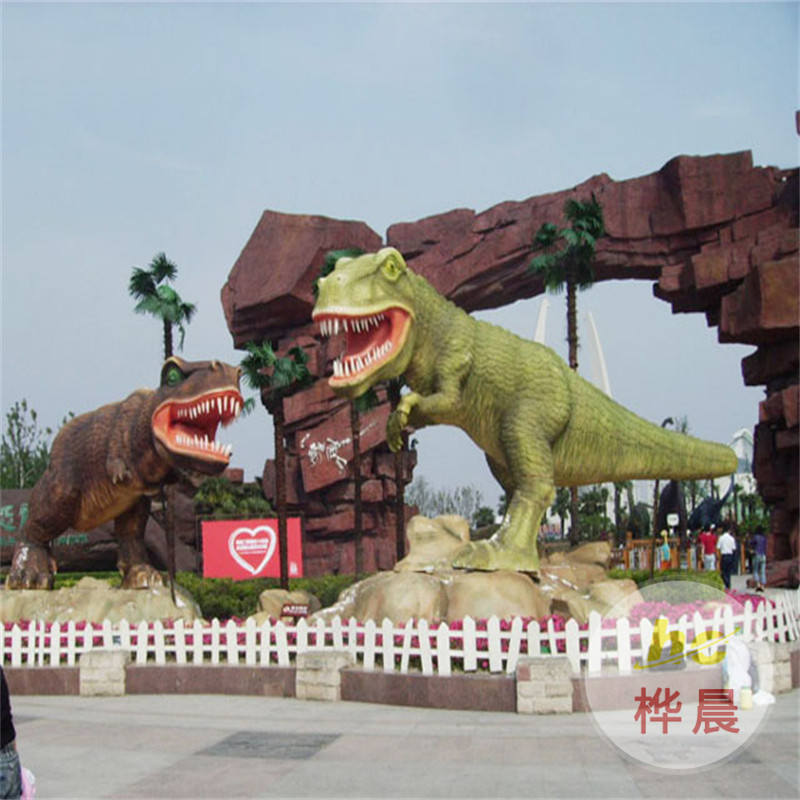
(753, 780)
(120, 736)
(269, 745)
(66, 772)
(356, 747)
(541, 752)
(207, 777)
(610, 784)
(376, 779)
(729, 779)
(790, 773)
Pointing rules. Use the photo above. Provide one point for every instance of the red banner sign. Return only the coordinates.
(243, 549)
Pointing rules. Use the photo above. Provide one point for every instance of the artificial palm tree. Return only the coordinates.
(149, 287)
(620, 487)
(570, 268)
(394, 393)
(276, 378)
(358, 406)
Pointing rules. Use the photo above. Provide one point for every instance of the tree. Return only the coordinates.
(25, 448)
(593, 512)
(483, 517)
(219, 498)
(619, 488)
(570, 268)
(394, 393)
(276, 378)
(465, 501)
(562, 507)
(664, 423)
(149, 287)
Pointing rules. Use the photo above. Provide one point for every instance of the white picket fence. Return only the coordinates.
(417, 646)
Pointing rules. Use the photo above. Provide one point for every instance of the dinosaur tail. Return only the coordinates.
(606, 442)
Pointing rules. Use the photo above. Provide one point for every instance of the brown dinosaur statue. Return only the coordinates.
(108, 463)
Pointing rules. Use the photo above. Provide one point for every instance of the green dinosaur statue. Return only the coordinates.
(107, 464)
(538, 422)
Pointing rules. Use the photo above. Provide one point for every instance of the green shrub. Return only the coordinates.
(66, 580)
(224, 597)
(642, 576)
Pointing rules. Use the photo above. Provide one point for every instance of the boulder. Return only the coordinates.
(397, 596)
(501, 594)
(272, 601)
(433, 542)
(92, 600)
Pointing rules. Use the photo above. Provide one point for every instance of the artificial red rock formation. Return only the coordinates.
(716, 234)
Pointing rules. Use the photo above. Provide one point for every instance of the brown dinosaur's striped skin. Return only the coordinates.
(107, 464)
(540, 424)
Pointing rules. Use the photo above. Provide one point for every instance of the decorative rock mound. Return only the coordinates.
(424, 586)
(92, 600)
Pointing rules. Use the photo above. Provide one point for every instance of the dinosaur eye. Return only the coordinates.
(392, 269)
(172, 377)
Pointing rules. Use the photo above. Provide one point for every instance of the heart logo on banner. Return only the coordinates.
(247, 545)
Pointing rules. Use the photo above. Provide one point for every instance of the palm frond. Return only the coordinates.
(366, 401)
(141, 283)
(161, 268)
(546, 235)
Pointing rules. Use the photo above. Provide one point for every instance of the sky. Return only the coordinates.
(134, 128)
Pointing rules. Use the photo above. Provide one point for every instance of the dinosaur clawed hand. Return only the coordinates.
(397, 421)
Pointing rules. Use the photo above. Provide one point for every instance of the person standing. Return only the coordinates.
(10, 772)
(727, 550)
(666, 553)
(760, 559)
(708, 541)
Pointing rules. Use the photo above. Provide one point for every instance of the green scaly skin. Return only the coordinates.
(106, 465)
(539, 423)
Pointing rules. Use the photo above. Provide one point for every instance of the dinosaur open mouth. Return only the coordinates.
(371, 340)
(189, 427)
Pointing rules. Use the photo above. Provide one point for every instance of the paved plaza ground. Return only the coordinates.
(221, 746)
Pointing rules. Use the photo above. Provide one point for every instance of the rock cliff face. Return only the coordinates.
(715, 234)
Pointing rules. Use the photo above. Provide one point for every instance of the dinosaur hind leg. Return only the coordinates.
(133, 563)
(502, 476)
(515, 544)
(51, 511)
(32, 564)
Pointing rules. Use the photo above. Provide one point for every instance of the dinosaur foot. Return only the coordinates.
(32, 567)
(490, 555)
(141, 576)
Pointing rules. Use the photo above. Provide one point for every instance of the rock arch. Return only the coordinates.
(717, 235)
